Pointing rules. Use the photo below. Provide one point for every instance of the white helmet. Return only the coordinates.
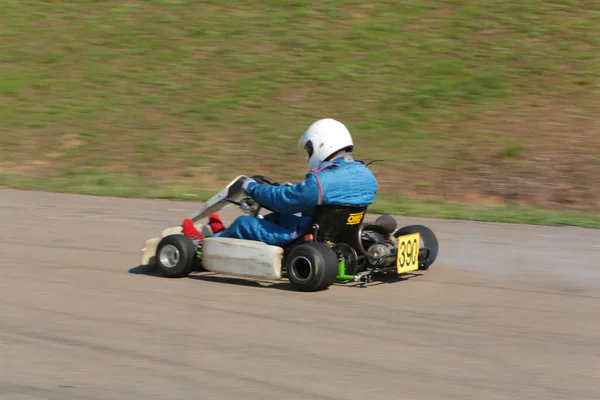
(323, 138)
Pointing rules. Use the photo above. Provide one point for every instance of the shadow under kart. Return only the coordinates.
(338, 246)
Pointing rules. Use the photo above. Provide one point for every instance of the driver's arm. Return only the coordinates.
(301, 197)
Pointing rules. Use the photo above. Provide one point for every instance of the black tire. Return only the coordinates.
(175, 256)
(428, 239)
(312, 267)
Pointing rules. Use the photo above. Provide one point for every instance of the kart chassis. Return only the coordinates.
(359, 249)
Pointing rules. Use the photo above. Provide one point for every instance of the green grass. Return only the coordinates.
(187, 94)
(103, 183)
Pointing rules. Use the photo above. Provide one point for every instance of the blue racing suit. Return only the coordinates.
(341, 181)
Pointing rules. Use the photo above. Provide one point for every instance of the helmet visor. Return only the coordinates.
(309, 148)
(306, 145)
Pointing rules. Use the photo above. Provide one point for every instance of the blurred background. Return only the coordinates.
(483, 102)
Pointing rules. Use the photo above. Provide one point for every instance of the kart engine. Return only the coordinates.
(379, 250)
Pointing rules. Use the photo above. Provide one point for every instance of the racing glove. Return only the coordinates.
(248, 184)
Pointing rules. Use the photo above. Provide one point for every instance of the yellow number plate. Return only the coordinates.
(407, 259)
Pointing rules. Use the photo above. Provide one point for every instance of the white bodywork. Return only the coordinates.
(233, 192)
(242, 257)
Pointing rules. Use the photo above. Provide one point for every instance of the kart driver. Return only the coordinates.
(335, 177)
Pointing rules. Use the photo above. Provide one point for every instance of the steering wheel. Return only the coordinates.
(265, 180)
(248, 204)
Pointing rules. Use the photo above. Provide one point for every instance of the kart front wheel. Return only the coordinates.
(312, 267)
(175, 256)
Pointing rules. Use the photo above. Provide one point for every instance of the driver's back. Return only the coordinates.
(345, 181)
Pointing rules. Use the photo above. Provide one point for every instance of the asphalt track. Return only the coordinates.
(507, 312)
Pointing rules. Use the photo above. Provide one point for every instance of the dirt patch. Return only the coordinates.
(544, 153)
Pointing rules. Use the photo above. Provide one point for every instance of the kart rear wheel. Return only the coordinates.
(175, 256)
(428, 240)
(312, 267)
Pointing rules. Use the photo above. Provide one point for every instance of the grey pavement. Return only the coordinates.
(506, 312)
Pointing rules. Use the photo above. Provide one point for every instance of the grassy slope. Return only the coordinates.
(464, 100)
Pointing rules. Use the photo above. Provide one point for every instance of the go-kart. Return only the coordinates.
(337, 246)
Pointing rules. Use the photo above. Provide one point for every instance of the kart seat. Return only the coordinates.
(337, 224)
